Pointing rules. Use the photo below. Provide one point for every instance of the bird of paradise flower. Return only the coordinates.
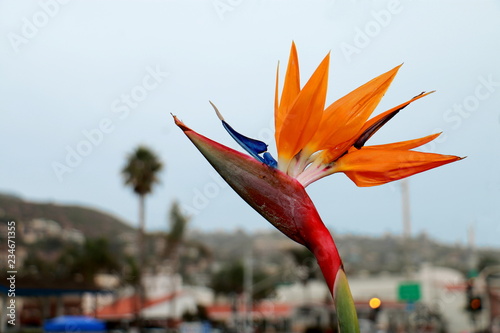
(313, 142)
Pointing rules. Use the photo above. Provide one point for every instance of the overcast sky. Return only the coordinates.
(83, 83)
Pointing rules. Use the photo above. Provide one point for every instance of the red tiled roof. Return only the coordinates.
(125, 308)
(263, 309)
(455, 287)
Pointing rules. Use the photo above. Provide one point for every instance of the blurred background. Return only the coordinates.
(86, 92)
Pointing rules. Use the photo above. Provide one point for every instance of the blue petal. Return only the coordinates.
(269, 160)
(252, 146)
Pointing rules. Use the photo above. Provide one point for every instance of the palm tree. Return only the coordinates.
(140, 173)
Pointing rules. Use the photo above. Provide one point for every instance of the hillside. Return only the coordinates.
(91, 222)
(361, 254)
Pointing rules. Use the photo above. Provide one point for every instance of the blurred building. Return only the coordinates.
(38, 229)
(39, 299)
(441, 297)
(487, 287)
(166, 298)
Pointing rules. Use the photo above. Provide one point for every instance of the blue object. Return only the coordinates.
(252, 146)
(74, 324)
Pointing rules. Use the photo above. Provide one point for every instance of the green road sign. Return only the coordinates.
(409, 291)
(472, 273)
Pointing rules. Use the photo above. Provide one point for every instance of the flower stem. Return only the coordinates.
(328, 257)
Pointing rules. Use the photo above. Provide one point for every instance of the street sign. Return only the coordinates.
(409, 291)
(472, 273)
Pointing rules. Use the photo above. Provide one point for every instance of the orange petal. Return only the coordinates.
(291, 89)
(303, 117)
(375, 123)
(344, 118)
(406, 145)
(371, 167)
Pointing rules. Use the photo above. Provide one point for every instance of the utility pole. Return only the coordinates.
(472, 257)
(405, 201)
(248, 291)
(406, 237)
(406, 209)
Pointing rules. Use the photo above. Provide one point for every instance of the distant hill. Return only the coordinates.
(361, 254)
(91, 222)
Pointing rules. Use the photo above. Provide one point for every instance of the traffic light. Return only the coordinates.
(375, 303)
(375, 306)
(475, 304)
